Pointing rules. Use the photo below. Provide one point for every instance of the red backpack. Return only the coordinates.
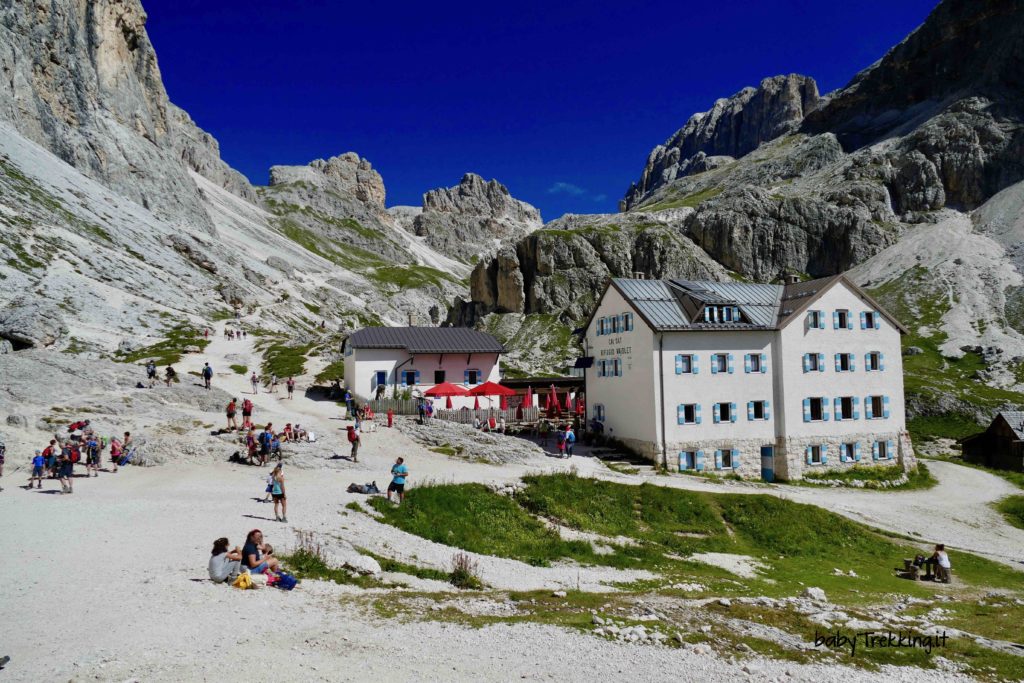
(351, 435)
(76, 455)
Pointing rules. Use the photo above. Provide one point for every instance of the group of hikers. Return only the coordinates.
(229, 333)
(82, 446)
(256, 556)
(266, 444)
(565, 437)
(272, 383)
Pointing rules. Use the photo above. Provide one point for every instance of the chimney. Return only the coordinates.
(410, 319)
(791, 278)
(639, 275)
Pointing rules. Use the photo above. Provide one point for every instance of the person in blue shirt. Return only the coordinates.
(38, 465)
(570, 440)
(399, 471)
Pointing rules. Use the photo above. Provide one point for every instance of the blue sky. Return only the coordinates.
(561, 101)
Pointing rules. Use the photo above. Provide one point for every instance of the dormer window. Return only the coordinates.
(722, 314)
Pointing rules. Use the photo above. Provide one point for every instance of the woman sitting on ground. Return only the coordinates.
(299, 434)
(225, 565)
(941, 561)
(254, 557)
(288, 434)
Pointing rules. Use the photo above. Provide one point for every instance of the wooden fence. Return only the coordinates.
(465, 416)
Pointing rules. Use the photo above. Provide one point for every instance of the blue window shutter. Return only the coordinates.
(807, 410)
(878, 321)
(735, 458)
(417, 378)
(682, 461)
(728, 363)
(746, 363)
(821, 320)
(881, 361)
(716, 413)
(890, 449)
(699, 461)
(707, 314)
(750, 411)
(856, 451)
(693, 364)
(874, 450)
(679, 363)
(824, 454)
(885, 406)
(849, 320)
(853, 362)
(838, 355)
(835, 320)
(863, 320)
(821, 362)
(869, 409)
(807, 362)
(856, 407)
(807, 452)
(718, 459)
(867, 362)
(842, 453)
(714, 364)
(824, 409)
(767, 410)
(681, 414)
(465, 377)
(837, 408)
(696, 414)
(764, 363)
(732, 412)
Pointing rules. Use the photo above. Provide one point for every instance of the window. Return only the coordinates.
(687, 460)
(617, 367)
(815, 320)
(844, 362)
(814, 455)
(599, 412)
(874, 361)
(814, 362)
(869, 320)
(627, 319)
(721, 362)
(882, 450)
(721, 314)
(841, 320)
(757, 410)
(438, 376)
(686, 364)
(846, 408)
(688, 414)
(727, 459)
(849, 452)
(409, 377)
(724, 412)
(815, 409)
(609, 368)
(755, 362)
(876, 407)
(616, 324)
(471, 376)
(381, 378)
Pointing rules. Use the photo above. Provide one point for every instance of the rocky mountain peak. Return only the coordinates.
(347, 173)
(474, 196)
(732, 128)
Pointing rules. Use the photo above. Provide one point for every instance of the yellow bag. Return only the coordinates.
(243, 581)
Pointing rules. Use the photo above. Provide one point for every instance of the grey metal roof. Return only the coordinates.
(659, 302)
(655, 301)
(425, 340)
(1015, 418)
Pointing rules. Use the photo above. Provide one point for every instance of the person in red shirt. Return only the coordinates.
(231, 409)
(391, 417)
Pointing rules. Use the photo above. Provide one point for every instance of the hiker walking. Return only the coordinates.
(353, 438)
(231, 409)
(38, 465)
(65, 472)
(399, 472)
(273, 383)
(348, 403)
(291, 387)
(570, 439)
(151, 373)
(207, 374)
(206, 333)
(92, 456)
(391, 418)
(269, 490)
(255, 381)
(170, 375)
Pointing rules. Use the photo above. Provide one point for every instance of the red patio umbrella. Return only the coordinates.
(528, 401)
(448, 403)
(504, 402)
(568, 403)
(491, 389)
(476, 403)
(446, 389)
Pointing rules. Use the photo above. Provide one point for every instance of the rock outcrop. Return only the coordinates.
(472, 217)
(732, 128)
(81, 79)
(347, 174)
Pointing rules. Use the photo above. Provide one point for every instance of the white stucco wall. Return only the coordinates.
(362, 365)
(628, 400)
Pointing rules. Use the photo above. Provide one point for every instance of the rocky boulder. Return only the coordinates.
(347, 173)
(31, 323)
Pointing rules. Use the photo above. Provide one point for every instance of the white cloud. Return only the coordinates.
(566, 188)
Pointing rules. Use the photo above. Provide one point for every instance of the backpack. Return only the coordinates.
(352, 436)
(247, 405)
(570, 437)
(207, 372)
(76, 455)
(286, 582)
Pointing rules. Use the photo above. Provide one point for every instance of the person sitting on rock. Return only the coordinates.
(225, 565)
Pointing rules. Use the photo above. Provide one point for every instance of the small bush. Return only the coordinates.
(354, 506)
(465, 572)
(240, 369)
(1012, 508)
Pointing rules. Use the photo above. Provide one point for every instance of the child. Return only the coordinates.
(561, 440)
(250, 445)
(38, 463)
(115, 451)
(92, 457)
(269, 489)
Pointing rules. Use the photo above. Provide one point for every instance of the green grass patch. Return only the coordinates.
(283, 359)
(1012, 509)
(690, 200)
(239, 369)
(304, 564)
(410, 276)
(948, 426)
(875, 475)
(331, 372)
(170, 350)
(391, 565)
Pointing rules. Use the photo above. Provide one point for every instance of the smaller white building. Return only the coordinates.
(388, 361)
